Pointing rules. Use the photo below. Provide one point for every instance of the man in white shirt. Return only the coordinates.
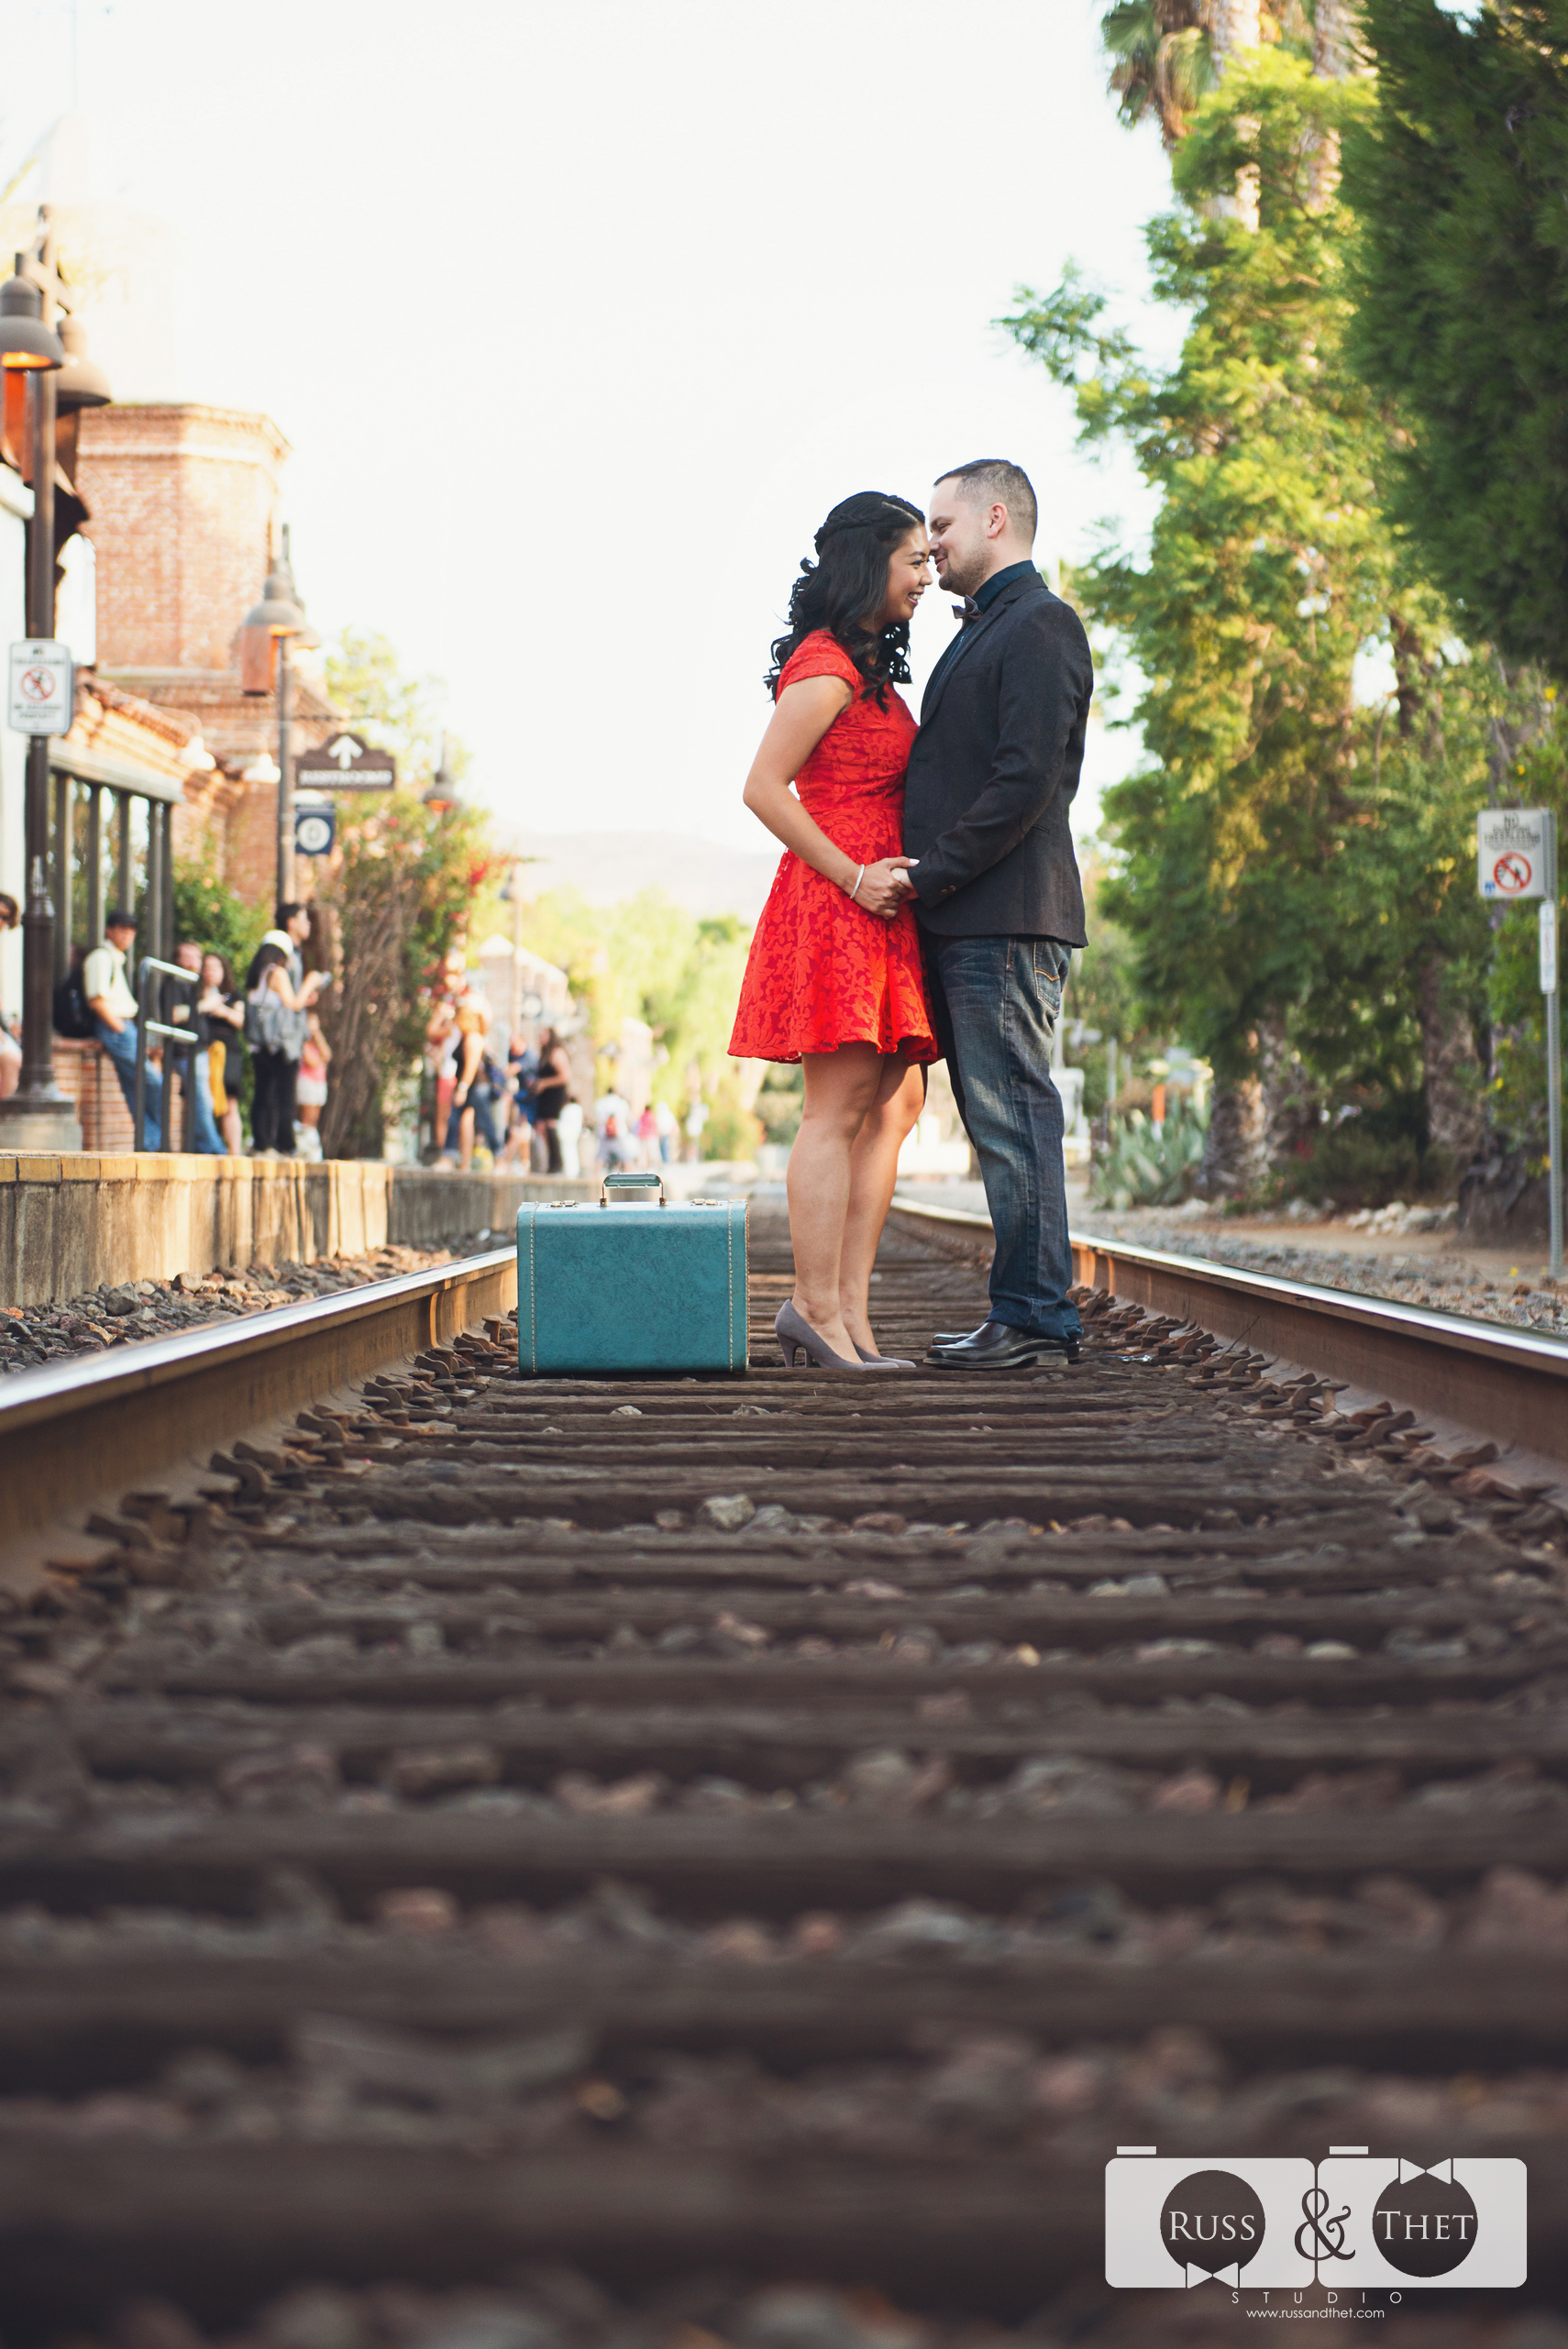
(113, 1009)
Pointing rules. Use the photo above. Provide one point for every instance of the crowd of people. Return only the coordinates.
(523, 1107)
(272, 1019)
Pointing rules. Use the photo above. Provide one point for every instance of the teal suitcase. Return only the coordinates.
(650, 1284)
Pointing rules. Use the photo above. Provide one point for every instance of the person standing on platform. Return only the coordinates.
(279, 997)
(113, 1009)
(310, 1086)
(179, 1011)
(220, 1013)
(552, 1095)
(996, 890)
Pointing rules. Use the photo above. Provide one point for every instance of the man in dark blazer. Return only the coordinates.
(996, 887)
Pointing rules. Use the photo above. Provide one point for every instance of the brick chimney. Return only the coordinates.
(183, 502)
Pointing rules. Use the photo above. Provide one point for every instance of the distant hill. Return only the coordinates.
(609, 865)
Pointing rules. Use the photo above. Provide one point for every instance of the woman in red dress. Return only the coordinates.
(835, 977)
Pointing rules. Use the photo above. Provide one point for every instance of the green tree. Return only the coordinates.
(1292, 867)
(404, 884)
(647, 958)
(394, 712)
(1268, 570)
(1167, 55)
(1459, 177)
(216, 917)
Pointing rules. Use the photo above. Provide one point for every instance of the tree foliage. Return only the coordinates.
(394, 712)
(1459, 178)
(1268, 569)
(1163, 62)
(403, 886)
(207, 911)
(403, 882)
(1293, 864)
(649, 959)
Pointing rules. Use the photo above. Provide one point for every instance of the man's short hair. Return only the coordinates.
(997, 480)
(285, 912)
(119, 920)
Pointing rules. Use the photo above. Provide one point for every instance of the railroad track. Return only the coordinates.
(657, 1855)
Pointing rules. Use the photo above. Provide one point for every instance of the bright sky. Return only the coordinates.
(579, 319)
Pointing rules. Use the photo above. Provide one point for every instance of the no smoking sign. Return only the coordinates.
(1511, 853)
(41, 694)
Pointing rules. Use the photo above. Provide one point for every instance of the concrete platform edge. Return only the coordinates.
(80, 1221)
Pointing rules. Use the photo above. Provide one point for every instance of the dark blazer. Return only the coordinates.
(993, 773)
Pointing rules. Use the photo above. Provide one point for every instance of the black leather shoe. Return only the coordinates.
(996, 1345)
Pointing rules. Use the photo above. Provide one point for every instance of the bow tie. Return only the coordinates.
(1441, 2170)
(967, 613)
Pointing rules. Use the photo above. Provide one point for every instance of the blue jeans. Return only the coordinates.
(208, 1138)
(484, 1123)
(120, 1045)
(996, 1002)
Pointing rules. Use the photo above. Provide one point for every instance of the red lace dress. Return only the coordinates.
(821, 971)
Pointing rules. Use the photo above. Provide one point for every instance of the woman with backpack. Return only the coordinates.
(278, 999)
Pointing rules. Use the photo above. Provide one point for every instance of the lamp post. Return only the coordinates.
(38, 1115)
(511, 893)
(280, 616)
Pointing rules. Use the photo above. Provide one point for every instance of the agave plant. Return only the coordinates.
(1148, 1165)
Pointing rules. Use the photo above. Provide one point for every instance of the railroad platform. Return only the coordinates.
(72, 1223)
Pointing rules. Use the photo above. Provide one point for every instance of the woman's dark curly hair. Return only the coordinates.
(847, 582)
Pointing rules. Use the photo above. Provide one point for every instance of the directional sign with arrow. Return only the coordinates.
(345, 762)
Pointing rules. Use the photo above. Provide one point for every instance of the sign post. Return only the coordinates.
(344, 763)
(41, 692)
(1515, 859)
(1552, 989)
(316, 827)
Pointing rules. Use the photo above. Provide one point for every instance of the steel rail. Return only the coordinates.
(110, 1422)
(1511, 1384)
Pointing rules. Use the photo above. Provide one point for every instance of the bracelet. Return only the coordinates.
(855, 890)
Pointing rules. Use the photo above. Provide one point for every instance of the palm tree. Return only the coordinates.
(1161, 62)
(1166, 54)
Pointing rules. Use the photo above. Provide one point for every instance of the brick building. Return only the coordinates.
(183, 512)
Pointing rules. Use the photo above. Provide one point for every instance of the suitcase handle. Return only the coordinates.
(624, 1182)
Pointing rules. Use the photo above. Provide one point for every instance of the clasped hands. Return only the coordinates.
(885, 886)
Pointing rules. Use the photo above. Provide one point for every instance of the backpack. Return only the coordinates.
(270, 1026)
(73, 1014)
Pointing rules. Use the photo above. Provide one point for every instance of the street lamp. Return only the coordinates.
(81, 382)
(511, 893)
(38, 1115)
(26, 345)
(279, 618)
(441, 791)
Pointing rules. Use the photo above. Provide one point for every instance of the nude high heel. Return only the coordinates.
(800, 1344)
